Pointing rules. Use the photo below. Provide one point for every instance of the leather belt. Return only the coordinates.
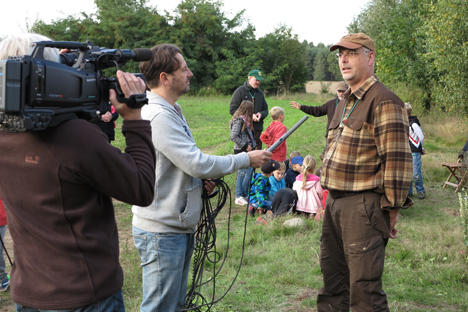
(340, 194)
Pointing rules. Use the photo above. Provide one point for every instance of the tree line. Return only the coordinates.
(219, 50)
(421, 46)
(422, 49)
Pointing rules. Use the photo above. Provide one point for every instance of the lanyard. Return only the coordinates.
(349, 113)
(252, 96)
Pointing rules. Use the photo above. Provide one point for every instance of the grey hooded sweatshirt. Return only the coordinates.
(180, 166)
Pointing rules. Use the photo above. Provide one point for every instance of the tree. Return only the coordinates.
(124, 24)
(204, 33)
(447, 48)
(321, 63)
(396, 27)
(283, 60)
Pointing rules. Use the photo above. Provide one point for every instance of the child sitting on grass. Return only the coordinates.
(259, 201)
(294, 169)
(277, 180)
(274, 131)
(308, 189)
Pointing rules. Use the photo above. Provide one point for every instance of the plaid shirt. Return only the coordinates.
(370, 150)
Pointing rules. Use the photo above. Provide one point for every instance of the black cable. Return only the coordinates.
(6, 251)
(205, 249)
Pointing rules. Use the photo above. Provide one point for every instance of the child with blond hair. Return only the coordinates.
(308, 189)
(274, 131)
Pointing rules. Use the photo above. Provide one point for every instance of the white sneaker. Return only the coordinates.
(240, 201)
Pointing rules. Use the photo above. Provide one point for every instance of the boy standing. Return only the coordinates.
(259, 200)
(274, 131)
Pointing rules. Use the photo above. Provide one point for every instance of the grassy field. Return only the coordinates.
(426, 267)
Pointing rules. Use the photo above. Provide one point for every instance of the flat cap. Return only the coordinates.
(354, 41)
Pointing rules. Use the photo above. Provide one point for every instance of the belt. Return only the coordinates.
(340, 194)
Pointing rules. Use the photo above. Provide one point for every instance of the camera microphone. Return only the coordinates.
(142, 54)
(138, 54)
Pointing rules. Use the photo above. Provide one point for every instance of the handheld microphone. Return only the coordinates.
(288, 133)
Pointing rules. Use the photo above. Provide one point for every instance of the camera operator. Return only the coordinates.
(57, 185)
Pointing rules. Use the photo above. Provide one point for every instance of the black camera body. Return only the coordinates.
(36, 93)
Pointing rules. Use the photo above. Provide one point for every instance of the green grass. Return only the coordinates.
(425, 269)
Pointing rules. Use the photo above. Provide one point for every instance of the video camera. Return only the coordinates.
(36, 93)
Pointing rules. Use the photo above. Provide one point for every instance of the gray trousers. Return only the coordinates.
(354, 235)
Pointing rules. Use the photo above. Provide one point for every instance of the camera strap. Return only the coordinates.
(135, 100)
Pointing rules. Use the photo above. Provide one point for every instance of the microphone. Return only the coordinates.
(142, 54)
(138, 54)
(288, 133)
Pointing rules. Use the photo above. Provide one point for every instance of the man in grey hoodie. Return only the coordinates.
(163, 231)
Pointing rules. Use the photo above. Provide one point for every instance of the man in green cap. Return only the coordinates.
(250, 91)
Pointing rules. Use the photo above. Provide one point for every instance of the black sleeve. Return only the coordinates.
(264, 109)
(235, 101)
(316, 111)
(115, 115)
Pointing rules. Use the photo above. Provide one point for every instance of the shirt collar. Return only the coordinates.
(359, 93)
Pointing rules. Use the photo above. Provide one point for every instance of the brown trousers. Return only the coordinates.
(354, 235)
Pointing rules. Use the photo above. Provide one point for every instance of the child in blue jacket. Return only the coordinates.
(260, 188)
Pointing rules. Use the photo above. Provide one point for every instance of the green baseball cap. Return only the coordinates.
(256, 73)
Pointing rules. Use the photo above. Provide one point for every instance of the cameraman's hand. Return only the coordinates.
(258, 158)
(130, 84)
(106, 117)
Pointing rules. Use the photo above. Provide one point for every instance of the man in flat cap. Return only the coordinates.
(326, 109)
(251, 91)
(367, 169)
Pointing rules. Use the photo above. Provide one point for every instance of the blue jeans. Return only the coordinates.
(243, 182)
(417, 174)
(112, 303)
(165, 261)
(3, 274)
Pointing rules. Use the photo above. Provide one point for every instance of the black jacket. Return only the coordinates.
(318, 111)
(246, 92)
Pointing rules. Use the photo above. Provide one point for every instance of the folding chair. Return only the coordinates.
(458, 174)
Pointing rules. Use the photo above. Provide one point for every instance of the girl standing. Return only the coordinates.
(242, 135)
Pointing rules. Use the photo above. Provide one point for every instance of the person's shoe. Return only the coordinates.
(408, 203)
(240, 201)
(251, 211)
(421, 195)
(5, 284)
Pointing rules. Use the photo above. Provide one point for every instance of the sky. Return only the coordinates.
(316, 21)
